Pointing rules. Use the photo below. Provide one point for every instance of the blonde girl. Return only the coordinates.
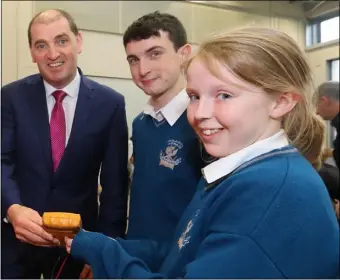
(260, 210)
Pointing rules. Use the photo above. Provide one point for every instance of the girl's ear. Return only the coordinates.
(285, 103)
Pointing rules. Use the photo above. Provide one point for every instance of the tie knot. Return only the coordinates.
(59, 95)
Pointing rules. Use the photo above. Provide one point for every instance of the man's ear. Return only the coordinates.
(324, 99)
(184, 53)
(284, 103)
(79, 42)
(32, 56)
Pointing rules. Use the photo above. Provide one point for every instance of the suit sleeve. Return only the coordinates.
(336, 150)
(9, 189)
(114, 177)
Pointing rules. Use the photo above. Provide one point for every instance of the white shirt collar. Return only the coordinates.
(171, 111)
(72, 89)
(226, 165)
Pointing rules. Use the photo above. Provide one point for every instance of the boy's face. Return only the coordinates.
(228, 115)
(154, 64)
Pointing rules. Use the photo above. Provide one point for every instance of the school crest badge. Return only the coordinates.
(169, 157)
(185, 236)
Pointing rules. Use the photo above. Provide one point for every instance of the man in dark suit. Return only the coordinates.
(328, 107)
(59, 129)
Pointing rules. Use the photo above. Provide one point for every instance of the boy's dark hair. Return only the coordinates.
(149, 25)
(62, 13)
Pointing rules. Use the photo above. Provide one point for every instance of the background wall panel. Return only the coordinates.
(90, 15)
(132, 10)
(9, 42)
(318, 58)
(104, 55)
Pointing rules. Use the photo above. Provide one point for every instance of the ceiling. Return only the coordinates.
(307, 5)
(311, 8)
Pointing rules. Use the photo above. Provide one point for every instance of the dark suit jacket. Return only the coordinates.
(98, 139)
(330, 176)
(336, 123)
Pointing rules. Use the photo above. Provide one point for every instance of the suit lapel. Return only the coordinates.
(82, 112)
(37, 101)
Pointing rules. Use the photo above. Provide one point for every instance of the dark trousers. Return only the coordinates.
(21, 260)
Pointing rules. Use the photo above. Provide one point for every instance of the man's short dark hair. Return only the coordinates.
(62, 14)
(151, 24)
(329, 89)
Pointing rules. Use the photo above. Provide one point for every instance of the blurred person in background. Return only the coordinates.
(327, 96)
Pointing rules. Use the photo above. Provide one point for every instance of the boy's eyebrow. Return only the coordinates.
(154, 48)
(146, 52)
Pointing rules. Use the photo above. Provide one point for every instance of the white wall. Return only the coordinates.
(104, 22)
(318, 58)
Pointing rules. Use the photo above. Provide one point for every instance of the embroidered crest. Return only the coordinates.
(185, 237)
(169, 157)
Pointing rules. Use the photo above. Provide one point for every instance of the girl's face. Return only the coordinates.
(230, 114)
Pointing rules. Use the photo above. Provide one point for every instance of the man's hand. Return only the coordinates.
(27, 224)
(86, 272)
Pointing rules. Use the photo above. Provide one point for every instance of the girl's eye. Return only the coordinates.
(193, 97)
(223, 96)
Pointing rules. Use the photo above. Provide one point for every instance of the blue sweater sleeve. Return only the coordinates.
(109, 258)
(151, 252)
(220, 255)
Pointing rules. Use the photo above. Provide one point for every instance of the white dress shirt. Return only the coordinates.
(228, 164)
(69, 102)
(171, 111)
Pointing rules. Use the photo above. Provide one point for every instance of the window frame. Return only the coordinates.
(330, 129)
(313, 29)
(329, 67)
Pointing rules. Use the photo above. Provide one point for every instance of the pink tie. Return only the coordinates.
(58, 128)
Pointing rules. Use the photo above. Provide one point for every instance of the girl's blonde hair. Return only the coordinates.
(272, 61)
(315, 152)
